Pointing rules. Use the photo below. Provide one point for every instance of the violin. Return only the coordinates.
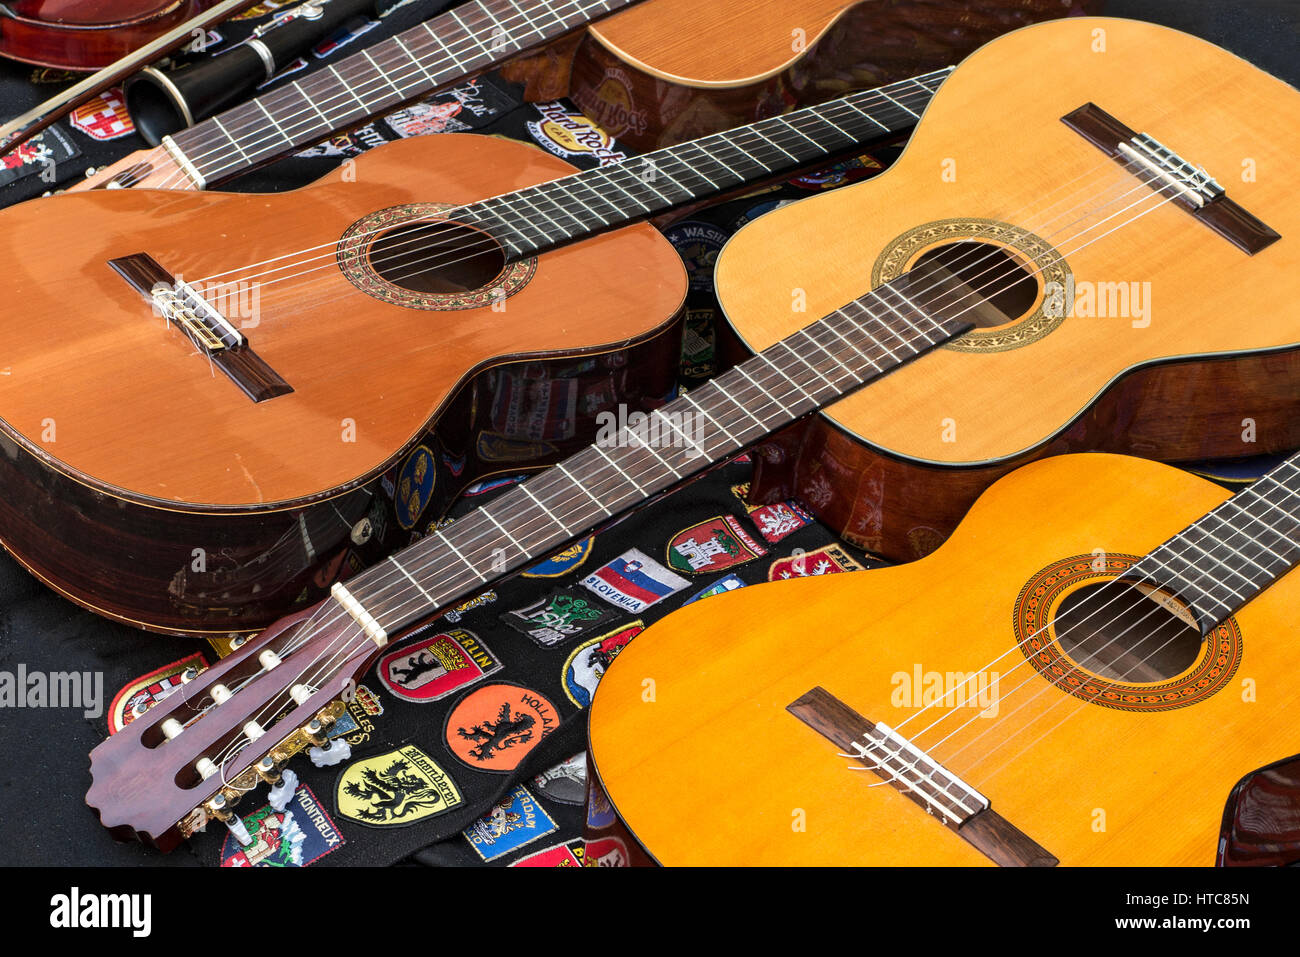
(87, 34)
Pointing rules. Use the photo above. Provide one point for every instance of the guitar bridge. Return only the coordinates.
(1194, 189)
(186, 309)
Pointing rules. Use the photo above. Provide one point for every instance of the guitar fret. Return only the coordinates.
(482, 46)
(445, 49)
(527, 491)
(339, 77)
(617, 469)
(779, 404)
(414, 59)
(446, 540)
(414, 581)
(689, 397)
(383, 75)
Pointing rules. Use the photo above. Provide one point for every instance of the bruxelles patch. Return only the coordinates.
(414, 486)
(826, 560)
(561, 615)
(435, 667)
(517, 820)
(712, 545)
(493, 728)
(355, 724)
(561, 563)
(299, 835)
(395, 789)
(147, 690)
(589, 661)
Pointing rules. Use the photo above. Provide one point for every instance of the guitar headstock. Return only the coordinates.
(191, 757)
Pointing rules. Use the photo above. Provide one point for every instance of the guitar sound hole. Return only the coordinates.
(437, 257)
(1001, 281)
(1115, 631)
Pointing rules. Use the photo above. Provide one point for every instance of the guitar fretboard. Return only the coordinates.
(451, 47)
(530, 220)
(803, 372)
(1233, 552)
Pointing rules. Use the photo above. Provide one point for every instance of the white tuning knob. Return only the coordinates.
(280, 795)
(237, 828)
(330, 755)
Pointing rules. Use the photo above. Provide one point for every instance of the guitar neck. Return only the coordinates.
(809, 369)
(464, 41)
(540, 217)
(1232, 553)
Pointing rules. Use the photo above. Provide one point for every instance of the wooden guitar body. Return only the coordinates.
(139, 480)
(1207, 367)
(87, 34)
(666, 71)
(703, 763)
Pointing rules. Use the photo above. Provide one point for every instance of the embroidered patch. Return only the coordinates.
(557, 855)
(436, 666)
(104, 117)
(395, 789)
(589, 661)
(40, 155)
(414, 486)
(730, 583)
(827, 560)
(712, 545)
(569, 133)
(299, 835)
(355, 724)
(457, 613)
(606, 852)
(563, 614)
(634, 581)
(561, 563)
(775, 522)
(493, 728)
(516, 821)
(147, 690)
(566, 783)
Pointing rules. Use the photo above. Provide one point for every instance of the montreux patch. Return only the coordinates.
(557, 855)
(148, 690)
(712, 545)
(634, 581)
(414, 486)
(493, 728)
(299, 835)
(826, 560)
(566, 783)
(730, 583)
(590, 660)
(561, 563)
(395, 789)
(436, 666)
(563, 614)
(518, 820)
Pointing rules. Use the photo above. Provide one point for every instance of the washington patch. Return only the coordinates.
(493, 728)
(395, 789)
(712, 545)
(587, 664)
(562, 614)
(299, 835)
(437, 666)
(634, 581)
(516, 821)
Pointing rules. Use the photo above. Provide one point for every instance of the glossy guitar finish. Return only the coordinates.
(1211, 371)
(88, 34)
(715, 770)
(126, 451)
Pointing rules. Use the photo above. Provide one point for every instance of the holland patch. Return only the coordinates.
(634, 581)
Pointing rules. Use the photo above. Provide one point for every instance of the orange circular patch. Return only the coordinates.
(493, 728)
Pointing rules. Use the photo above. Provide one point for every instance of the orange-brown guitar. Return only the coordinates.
(1111, 737)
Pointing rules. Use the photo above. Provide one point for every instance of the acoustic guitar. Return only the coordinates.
(225, 388)
(1150, 340)
(653, 73)
(1080, 675)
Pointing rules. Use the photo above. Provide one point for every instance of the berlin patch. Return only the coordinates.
(493, 728)
(437, 666)
(634, 581)
(827, 560)
(395, 789)
(560, 615)
(516, 821)
(299, 835)
(711, 546)
(588, 663)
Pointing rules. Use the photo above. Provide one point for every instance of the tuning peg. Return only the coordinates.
(218, 808)
(325, 753)
(282, 783)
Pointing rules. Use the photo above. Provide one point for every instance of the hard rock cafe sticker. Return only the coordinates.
(568, 133)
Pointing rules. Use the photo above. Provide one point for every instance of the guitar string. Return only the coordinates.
(429, 42)
(844, 107)
(840, 312)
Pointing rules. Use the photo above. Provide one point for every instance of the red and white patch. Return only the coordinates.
(103, 118)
